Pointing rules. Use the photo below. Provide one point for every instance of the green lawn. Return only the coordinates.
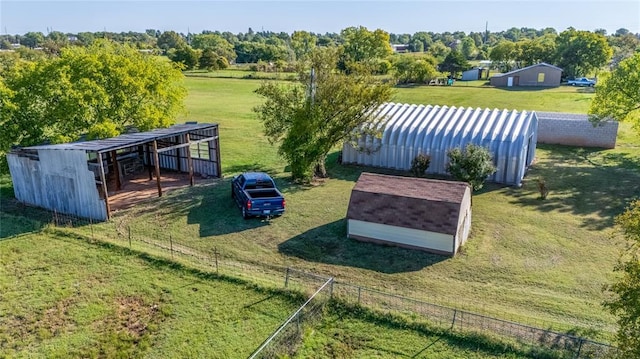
(539, 262)
(62, 297)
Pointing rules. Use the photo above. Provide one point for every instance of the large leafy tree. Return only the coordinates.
(98, 90)
(581, 52)
(216, 43)
(625, 303)
(503, 55)
(618, 94)
(361, 45)
(302, 43)
(309, 118)
(454, 63)
(414, 69)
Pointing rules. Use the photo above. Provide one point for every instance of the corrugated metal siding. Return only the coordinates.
(59, 180)
(406, 236)
(433, 130)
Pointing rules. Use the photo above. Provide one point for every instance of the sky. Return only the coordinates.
(20, 17)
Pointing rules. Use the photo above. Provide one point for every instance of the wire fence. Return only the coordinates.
(319, 290)
(286, 339)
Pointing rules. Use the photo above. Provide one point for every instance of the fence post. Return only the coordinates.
(455, 314)
(359, 291)
(331, 289)
(286, 278)
(579, 348)
(171, 246)
(215, 256)
(91, 226)
(129, 231)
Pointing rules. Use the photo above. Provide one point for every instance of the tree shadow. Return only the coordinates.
(17, 219)
(329, 244)
(593, 183)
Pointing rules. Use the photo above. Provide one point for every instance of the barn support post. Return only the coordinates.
(116, 170)
(148, 155)
(189, 160)
(216, 143)
(103, 179)
(178, 165)
(156, 158)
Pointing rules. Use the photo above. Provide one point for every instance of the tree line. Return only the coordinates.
(578, 52)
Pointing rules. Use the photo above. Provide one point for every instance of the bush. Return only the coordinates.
(472, 165)
(419, 164)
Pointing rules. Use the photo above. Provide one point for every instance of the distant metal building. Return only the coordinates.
(419, 213)
(542, 75)
(408, 130)
(474, 74)
(74, 178)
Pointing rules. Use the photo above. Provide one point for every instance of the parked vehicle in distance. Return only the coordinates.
(257, 195)
(581, 81)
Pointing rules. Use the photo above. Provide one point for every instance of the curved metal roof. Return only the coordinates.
(409, 129)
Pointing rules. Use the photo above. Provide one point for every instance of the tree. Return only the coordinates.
(581, 52)
(472, 165)
(617, 95)
(361, 45)
(185, 55)
(468, 48)
(302, 43)
(33, 39)
(503, 54)
(625, 303)
(411, 69)
(208, 60)
(307, 119)
(438, 50)
(170, 40)
(216, 43)
(454, 63)
(88, 90)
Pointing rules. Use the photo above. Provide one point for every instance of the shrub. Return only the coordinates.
(420, 164)
(472, 165)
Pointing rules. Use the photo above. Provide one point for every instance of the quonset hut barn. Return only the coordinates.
(85, 179)
(433, 130)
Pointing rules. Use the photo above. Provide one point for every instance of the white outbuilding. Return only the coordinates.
(407, 130)
(419, 213)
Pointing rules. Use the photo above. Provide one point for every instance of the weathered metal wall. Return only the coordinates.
(59, 180)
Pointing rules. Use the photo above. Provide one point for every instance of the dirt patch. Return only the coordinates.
(42, 324)
(133, 316)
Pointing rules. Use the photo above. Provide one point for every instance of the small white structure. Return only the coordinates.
(425, 214)
(408, 130)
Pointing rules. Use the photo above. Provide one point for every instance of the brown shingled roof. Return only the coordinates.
(418, 203)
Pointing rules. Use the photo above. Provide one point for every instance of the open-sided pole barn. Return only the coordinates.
(77, 178)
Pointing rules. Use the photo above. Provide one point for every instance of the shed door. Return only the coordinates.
(509, 81)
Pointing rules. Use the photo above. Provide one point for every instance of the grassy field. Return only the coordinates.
(540, 262)
(62, 297)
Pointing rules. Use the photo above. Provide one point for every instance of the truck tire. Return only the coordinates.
(245, 215)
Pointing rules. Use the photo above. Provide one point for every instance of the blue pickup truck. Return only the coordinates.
(256, 195)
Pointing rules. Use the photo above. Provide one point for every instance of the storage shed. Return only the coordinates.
(79, 178)
(425, 214)
(407, 130)
(542, 75)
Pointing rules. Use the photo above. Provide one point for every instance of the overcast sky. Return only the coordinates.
(19, 17)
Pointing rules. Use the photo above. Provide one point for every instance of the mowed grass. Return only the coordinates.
(540, 262)
(62, 297)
